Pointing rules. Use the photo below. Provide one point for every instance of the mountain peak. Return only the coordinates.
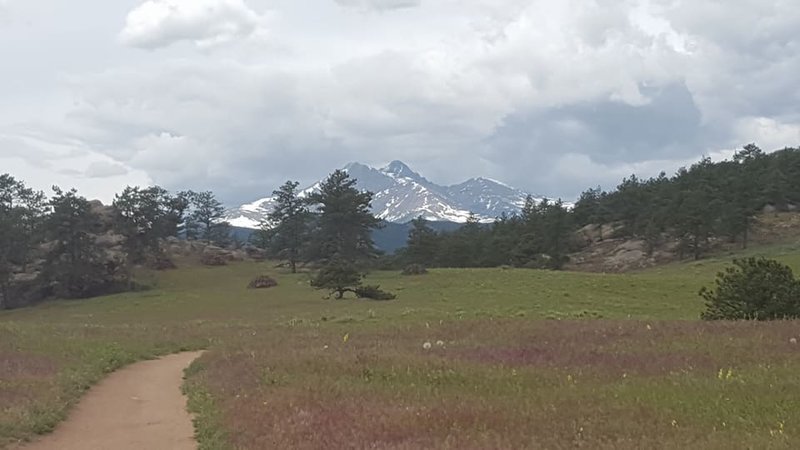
(349, 167)
(400, 169)
(400, 195)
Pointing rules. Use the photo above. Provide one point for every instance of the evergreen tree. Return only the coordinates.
(345, 223)
(205, 221)
(423, 243)
(74, 266)
(146, 215)
(287, 226)
(21, 212)
(556, 234)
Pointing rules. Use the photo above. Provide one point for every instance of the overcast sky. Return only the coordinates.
(237, 96)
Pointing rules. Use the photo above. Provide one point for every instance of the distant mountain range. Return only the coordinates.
(402, 195)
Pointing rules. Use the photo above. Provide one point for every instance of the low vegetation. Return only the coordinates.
(753, 289)
(465, 358)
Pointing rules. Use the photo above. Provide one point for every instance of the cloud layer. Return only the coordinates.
(550, 96)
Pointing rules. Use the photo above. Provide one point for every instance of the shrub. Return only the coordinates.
(374, 293)
(753, 289)
(262, 282)
(415, 269)
(338, 277)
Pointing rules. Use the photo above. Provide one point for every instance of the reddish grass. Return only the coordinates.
(495, 384)
(25, 366)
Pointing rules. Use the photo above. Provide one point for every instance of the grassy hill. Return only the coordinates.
(517, 358)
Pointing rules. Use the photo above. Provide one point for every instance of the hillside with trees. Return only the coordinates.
(689, 212)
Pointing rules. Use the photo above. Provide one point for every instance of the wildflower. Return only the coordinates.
(346, 338)
(793, 341)
(426, 346)
(674, 423)
(440, 343)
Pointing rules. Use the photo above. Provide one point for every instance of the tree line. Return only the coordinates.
(52, 247)
(697, 206)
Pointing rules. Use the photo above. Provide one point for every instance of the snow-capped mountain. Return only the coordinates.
(402, 195)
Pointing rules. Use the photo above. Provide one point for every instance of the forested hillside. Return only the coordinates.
(696, 207)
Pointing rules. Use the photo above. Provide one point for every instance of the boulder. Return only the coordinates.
(110, 240)
(262, 282)
(415, 269)
(213, 259)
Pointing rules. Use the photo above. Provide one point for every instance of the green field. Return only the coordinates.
(518, 359)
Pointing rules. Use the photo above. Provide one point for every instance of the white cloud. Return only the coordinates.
(768, 133)
(379, 5)
(160, 23)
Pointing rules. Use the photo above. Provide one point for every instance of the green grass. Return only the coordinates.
(529, 359)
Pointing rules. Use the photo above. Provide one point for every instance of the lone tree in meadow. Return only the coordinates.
(342, 237)
(286, 228)
(753, 289)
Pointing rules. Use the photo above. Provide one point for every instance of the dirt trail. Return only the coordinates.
(138, 407)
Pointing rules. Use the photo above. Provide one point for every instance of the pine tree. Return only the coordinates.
(206, 220)
(286, 228)
(423, 243)
(21, 213)
(75, 266)
(145, 216)
(345, 224)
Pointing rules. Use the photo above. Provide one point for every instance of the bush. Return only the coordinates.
(415, 269)
(262, 282)
(338, 277)
(753, 289)
(374, 293)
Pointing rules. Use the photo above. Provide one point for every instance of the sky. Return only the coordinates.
(238, 96)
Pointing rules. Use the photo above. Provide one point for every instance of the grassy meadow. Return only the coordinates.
(467, 359)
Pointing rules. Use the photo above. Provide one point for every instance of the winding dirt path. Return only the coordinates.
(138, 407)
